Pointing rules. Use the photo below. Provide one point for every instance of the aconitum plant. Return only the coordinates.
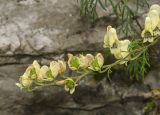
(133, 54)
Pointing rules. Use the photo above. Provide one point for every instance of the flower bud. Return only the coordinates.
(110, 37)
(73, 62)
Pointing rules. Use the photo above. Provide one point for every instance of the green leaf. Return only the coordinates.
(150, 106)
(138, 67)
(102, 5)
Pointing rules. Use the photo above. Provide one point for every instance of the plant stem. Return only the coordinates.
(81, 76)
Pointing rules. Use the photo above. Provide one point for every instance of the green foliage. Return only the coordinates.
(121, 9)
(139, 64)
(150, 106)
(88, 7)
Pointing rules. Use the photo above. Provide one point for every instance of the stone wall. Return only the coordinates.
(47, 30)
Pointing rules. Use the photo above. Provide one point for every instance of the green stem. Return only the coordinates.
(41, 85)
(81, 76)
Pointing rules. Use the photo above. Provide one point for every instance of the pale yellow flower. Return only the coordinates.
(36, 66)
(62, 66)
(121, 51)
(33, 70)
(73, 62)
(25, 81)
(85, 61)
(99, 57)
(90, 57)
(154, 16)
(97, 62)
(28, 71)
(110, 37)
(70, 85)
(155, 7)
(55, 68)
(116, 51)
(45, 74)
(147, 33)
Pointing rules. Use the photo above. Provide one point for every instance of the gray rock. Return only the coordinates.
(47, 30)
(101, 98)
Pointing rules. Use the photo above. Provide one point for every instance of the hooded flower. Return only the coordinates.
(152, 24)
(85, 61)
(154, 16)
(156, 7)
(73, 62)
(121, 51)
(36, 66)
(147, 33)
(55, 67)
(45, 74)
(70, 85)
(29, 75)
(97, 62)
(62, 66)
(25, 82)
(33, 70)
(110, 37)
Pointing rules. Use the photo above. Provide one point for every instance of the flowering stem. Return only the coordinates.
(41, 85)
(139, 50)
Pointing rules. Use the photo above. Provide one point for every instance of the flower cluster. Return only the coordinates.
(152, 24)
(119, 48)
(89, 61)
(46, 75)
(37, 76)
(35, 73)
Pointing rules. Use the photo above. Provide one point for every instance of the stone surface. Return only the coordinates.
(47, 30)
(102, 98)
(36, 27)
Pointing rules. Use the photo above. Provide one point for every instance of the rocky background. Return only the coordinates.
(47, 30)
